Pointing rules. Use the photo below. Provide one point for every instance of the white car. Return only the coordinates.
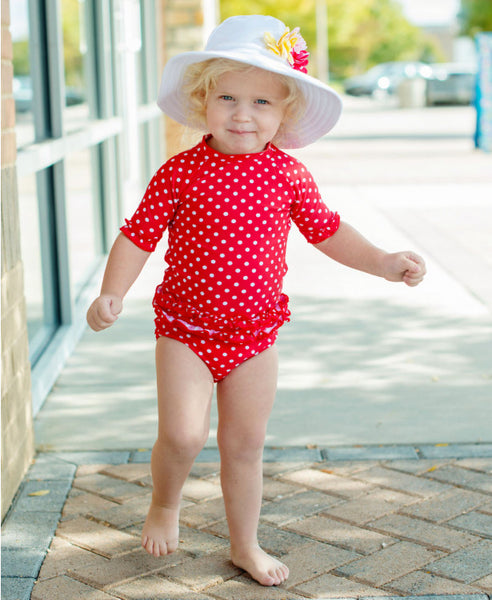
(451, 83)
(385, 77)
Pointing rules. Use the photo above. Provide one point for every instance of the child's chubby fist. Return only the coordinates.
(104, 311)
(405, 266)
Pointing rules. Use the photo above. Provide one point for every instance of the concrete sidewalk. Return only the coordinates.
(378, 466)
(363, 361)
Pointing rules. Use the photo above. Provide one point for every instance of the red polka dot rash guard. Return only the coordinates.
(228, 218)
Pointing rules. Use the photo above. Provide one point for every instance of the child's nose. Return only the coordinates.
(241, 112)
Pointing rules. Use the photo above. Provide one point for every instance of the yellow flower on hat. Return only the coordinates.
(290, 46)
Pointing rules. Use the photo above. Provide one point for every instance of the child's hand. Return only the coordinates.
(404, 266)
(103, 312)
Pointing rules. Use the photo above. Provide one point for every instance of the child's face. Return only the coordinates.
(245, 111)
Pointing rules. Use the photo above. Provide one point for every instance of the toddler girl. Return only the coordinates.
(228, 204)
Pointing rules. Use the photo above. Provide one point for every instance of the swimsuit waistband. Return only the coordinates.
(180, 315)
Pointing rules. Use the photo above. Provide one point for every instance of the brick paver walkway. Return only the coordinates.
(346, 529)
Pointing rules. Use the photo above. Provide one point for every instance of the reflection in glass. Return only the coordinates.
(22, 81)
(82, 218)
(74, 54)
(31, 255)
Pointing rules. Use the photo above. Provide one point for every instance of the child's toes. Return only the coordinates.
(148, 545)
(163, 550)
(285, 573)
(273, 577)
(281, 574)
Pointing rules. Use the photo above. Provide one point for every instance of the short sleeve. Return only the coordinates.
(154, 213)
(313, 218)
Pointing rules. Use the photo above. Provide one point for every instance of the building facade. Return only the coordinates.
(81, 136)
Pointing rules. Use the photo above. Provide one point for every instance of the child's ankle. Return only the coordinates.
(164, 503)
(240, 549)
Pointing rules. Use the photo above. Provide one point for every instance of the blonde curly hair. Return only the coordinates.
(200, 79)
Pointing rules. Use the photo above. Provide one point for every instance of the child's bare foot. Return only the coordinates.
(263, 568)
(160, 533)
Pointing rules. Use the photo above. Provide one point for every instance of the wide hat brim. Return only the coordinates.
(241, 39)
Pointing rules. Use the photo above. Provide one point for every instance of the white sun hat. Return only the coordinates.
(266, 43)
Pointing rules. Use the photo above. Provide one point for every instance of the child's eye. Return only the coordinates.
(225, 97)
(262, 101)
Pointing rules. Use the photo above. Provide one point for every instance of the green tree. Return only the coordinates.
(475, 16)
(73, 59)
(361, 33)
(294, 13)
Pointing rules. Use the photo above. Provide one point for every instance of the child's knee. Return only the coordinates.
(246, 448)
(183, 444)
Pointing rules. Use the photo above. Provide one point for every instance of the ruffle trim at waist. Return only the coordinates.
(179, 315)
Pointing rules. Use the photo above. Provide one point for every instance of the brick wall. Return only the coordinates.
(17, 429)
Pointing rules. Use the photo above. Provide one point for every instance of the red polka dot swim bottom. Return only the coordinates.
(219, 356)
(222, 345)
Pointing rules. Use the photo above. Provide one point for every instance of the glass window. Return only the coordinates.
(83, 217)
(39, 284)
(76, 112)
(31, 253)
(144, 154)
(140, 75)
(70, 190)
(149, 77)
(22, 82)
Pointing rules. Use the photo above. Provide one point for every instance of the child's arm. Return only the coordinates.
(125, 262)
(348, 247)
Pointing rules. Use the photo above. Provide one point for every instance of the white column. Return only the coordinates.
(211, 16)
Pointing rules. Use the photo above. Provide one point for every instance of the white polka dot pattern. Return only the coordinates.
(228, 218)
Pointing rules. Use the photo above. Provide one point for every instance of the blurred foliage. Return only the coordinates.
(73, 59)
(21, 57)
(71, 28)
(361, 33)
(475, 16)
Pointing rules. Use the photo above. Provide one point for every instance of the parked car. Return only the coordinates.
(451, 83)
(385, 77)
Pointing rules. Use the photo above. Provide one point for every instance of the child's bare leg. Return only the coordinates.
(245, 399)
(184, 390)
